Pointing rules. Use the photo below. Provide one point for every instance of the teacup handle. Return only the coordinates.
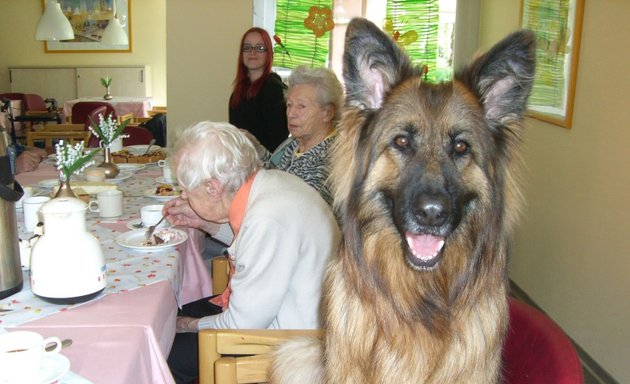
(91, 207)
(52, 340)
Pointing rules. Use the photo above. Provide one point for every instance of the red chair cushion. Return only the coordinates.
(537, 350)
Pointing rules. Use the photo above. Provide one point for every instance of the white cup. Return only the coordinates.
(95, 174)
(21, 355)
(31, 211)
(28, 192)
(167, 171)
(108, 203)
(116, 145)
(151, 214)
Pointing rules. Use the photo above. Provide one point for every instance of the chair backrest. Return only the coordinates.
(219, 350)
(220, 273)
(34, 103)
(536, 351)
(93, 118)
(81, 110)
(137, 135)
(69, 133)
(127, 116)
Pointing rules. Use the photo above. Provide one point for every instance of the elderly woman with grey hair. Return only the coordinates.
(278, 256)
(314, 101)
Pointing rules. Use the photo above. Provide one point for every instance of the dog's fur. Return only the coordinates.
(425, 180)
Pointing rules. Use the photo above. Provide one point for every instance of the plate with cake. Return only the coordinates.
(128, 157)
(141, 148)
(162, 239)
(163, 192)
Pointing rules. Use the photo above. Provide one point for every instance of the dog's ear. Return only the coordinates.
(502, 78)
(372, 65)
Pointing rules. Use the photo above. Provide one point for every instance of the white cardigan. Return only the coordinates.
(287, 236)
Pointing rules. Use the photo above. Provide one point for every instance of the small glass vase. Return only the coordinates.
(65, 190)
(107, 94)
(111, 169)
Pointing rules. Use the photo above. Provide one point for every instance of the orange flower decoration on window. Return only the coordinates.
(319, 20)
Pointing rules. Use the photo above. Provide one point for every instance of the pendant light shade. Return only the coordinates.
(53, 24)
(114, 34)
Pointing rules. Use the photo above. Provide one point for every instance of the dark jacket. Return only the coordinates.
(265, 115)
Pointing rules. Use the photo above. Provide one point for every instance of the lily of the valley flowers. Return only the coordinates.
(72, 159)
(108, 129)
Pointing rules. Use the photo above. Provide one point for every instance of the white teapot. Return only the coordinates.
(67, 262)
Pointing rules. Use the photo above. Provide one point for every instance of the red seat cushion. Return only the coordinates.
(537, 350)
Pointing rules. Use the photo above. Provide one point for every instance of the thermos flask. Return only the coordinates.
(10, 192)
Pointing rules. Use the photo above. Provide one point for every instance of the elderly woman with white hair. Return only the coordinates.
(278, 256)
(314, 101)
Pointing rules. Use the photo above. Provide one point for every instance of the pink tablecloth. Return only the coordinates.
(125, 337)
(122, 338)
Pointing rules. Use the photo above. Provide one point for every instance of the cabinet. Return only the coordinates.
(67, 83)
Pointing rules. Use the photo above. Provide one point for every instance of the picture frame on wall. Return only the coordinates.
(558, 27)
(89, 18)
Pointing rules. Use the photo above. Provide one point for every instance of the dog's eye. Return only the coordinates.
(461, 147)
(402, 142)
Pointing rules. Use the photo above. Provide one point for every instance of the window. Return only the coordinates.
(424, 28)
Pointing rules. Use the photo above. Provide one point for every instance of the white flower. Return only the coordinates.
(72, 159)
(108, 129)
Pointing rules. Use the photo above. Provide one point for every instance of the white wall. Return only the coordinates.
(203, 44)
(18, 46)
(571, 253)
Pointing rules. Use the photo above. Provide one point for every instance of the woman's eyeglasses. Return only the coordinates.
(256, 48)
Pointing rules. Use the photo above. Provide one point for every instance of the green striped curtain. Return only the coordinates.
(302, 45)
(549, 21)
(421, 16)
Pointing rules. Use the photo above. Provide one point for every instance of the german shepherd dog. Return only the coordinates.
(426, 186)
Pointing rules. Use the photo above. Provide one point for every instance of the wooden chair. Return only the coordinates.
(536, 350)
(220, 273)
(241, 356)
(69, 133)
(125, 117)
(157, 109)
(140, 120)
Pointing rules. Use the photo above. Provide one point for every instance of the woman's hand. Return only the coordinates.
(179, 212)
(187, 324)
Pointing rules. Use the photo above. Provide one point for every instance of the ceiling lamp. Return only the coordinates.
(53, 24)
(114, 34)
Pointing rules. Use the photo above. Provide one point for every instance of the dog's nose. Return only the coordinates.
(432, 210)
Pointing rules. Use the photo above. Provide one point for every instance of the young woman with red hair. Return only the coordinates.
(257, 103)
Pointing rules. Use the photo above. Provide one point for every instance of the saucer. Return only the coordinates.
(54, 366)
(162, 180)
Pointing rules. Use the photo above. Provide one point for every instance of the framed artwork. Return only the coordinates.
(558, 26)
(89, 18)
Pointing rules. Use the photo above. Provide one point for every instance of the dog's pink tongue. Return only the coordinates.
(425, 247)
